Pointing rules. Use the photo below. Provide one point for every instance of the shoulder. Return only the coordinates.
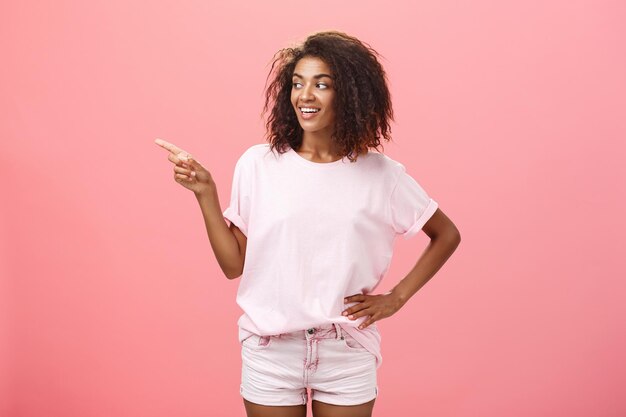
(256, 150)
(261, 154)
(385, 164)
(253, 153)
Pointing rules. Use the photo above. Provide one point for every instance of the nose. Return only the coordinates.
(306, 95)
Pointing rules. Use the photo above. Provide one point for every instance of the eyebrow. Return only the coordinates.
(318, 76)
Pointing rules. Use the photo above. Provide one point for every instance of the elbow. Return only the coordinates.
(233, 273)
(454, 239)
(453, 236)
(232, 267)
(457, 240)
(450, 236)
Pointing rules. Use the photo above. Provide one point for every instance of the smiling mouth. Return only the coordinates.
(308, 110)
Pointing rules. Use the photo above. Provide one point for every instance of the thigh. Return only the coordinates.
(345, 374)
(258, 410)
(271, 373)
(322, 409)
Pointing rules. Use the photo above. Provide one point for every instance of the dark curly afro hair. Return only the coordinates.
(362, 102)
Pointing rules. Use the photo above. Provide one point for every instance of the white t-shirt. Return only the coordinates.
(318, 232)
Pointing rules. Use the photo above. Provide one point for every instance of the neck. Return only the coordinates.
(319, 145)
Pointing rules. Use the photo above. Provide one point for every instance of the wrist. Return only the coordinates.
(208, 192)
(400, 297)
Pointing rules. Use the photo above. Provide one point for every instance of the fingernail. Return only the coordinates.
(344, 313)
(193, 173)
(345, 300)
(350, 316)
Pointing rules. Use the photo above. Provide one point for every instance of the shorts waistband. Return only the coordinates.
(325, 331)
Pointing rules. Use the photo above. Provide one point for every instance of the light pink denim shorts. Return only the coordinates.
(277, 370)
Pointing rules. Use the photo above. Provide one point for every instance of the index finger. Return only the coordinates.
(171, 147)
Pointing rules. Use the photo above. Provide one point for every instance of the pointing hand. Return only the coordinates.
(187, 171)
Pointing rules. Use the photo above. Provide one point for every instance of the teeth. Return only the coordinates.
(309, 110)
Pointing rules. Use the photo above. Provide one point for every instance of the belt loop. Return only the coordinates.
(338, 331)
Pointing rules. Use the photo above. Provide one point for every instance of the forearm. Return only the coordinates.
(432, 259)
(223, 241)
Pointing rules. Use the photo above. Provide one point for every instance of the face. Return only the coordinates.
(312, 88)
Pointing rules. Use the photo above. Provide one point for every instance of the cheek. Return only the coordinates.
(293, 99)
(330, 112)
(330, 104)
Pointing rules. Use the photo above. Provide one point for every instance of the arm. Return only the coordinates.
(444, 239)
(228, 243)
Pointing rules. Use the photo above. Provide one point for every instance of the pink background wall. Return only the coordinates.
(510, 114)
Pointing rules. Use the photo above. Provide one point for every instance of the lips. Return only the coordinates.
(308, 115)
(301, 108)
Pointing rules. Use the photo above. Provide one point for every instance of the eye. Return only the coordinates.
(295, 84)
(324, 85)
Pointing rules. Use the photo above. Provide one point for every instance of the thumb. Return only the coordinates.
(185, 157)
(191, 162)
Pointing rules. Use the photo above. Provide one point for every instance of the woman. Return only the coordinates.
(314, 214)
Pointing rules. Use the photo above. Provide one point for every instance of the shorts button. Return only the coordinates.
(311, 331)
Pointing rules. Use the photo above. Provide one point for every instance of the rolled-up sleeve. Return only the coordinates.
(238, 211)
(411, 206)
